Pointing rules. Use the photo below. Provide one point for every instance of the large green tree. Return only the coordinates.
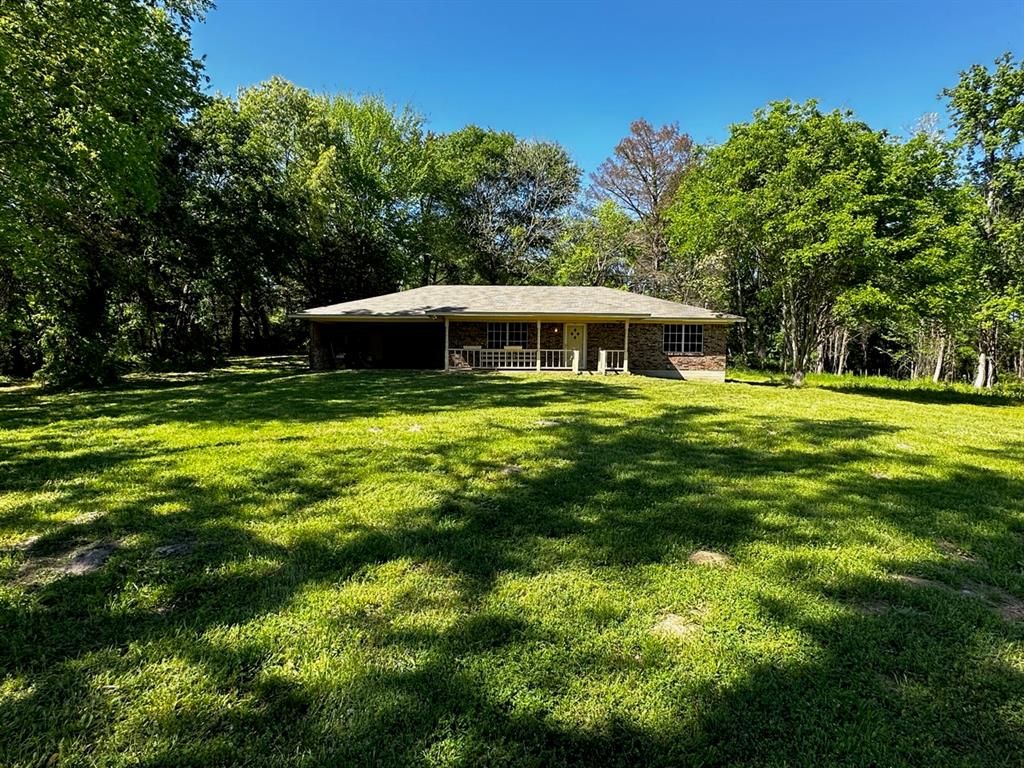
(601, 247)
(791, 197)
(987, 110)
(92, 90)
(515, 205)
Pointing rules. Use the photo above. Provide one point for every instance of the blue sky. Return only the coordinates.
(579, 72)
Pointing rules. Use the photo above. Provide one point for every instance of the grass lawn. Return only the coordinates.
(265, 566)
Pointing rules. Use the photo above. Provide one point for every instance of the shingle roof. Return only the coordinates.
(535, 301)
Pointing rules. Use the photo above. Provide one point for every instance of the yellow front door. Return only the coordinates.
(576, 338)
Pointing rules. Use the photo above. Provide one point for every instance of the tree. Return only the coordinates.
(514, 208)
(791, 197)
(92, 90)
(642, 176)
(987, 113)
(598, 249)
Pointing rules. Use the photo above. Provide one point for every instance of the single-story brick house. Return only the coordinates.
(505, 327)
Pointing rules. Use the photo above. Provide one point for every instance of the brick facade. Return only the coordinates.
(463, 334)
(604, 336)
(319, 351)
(646, 351)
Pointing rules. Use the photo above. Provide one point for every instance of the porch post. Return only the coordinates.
(447, 355)
(538, 346)
(625, 351)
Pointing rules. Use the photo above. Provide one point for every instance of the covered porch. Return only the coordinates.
(515, 344)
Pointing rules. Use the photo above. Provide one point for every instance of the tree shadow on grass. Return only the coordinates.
(424, 655)
(299, 396)
(923, 395)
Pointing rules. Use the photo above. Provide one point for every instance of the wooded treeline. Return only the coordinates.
(145, 224)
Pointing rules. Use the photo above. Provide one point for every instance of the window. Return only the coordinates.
(684, 339)
(500, 335)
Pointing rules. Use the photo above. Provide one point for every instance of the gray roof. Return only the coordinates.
(525, 300)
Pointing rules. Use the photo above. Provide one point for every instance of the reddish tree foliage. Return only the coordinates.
(642, 176)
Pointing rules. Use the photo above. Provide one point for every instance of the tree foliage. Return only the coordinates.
(987, 111)
(91, 92)
(147, 224)
(642, 176)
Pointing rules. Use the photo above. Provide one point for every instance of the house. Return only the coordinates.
(521, 328)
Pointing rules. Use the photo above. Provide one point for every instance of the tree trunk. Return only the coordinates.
(841, 363)
(940, 360)
(236, 324)
(982, 375)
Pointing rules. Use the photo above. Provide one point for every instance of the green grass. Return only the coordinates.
(464, 570)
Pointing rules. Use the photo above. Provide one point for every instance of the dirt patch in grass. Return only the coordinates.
(1008, 606)
(674, 626)
(78, 562)
(710, 558)
(25, 544)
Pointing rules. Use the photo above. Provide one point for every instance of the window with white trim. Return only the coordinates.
(683, 339)
(501, 335)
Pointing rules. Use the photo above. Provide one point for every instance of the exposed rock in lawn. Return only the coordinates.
(511, 469)
(1009, 606)
(880, 476)
(26, 544)
(375, 430)
(883, 608)
(713, 559)
(950, 549)
(675, 626)
(415, 428)
(89, 559)
(918, 581)
(547, 423)
(175, 549)
(87, 517)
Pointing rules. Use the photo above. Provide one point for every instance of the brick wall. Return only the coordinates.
(473, 334)
(467, 334)
(605, 336)
(646, 350)
(319, 351)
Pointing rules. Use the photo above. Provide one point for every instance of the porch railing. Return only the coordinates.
(611, 360)
(462, 358)
(555, 359)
